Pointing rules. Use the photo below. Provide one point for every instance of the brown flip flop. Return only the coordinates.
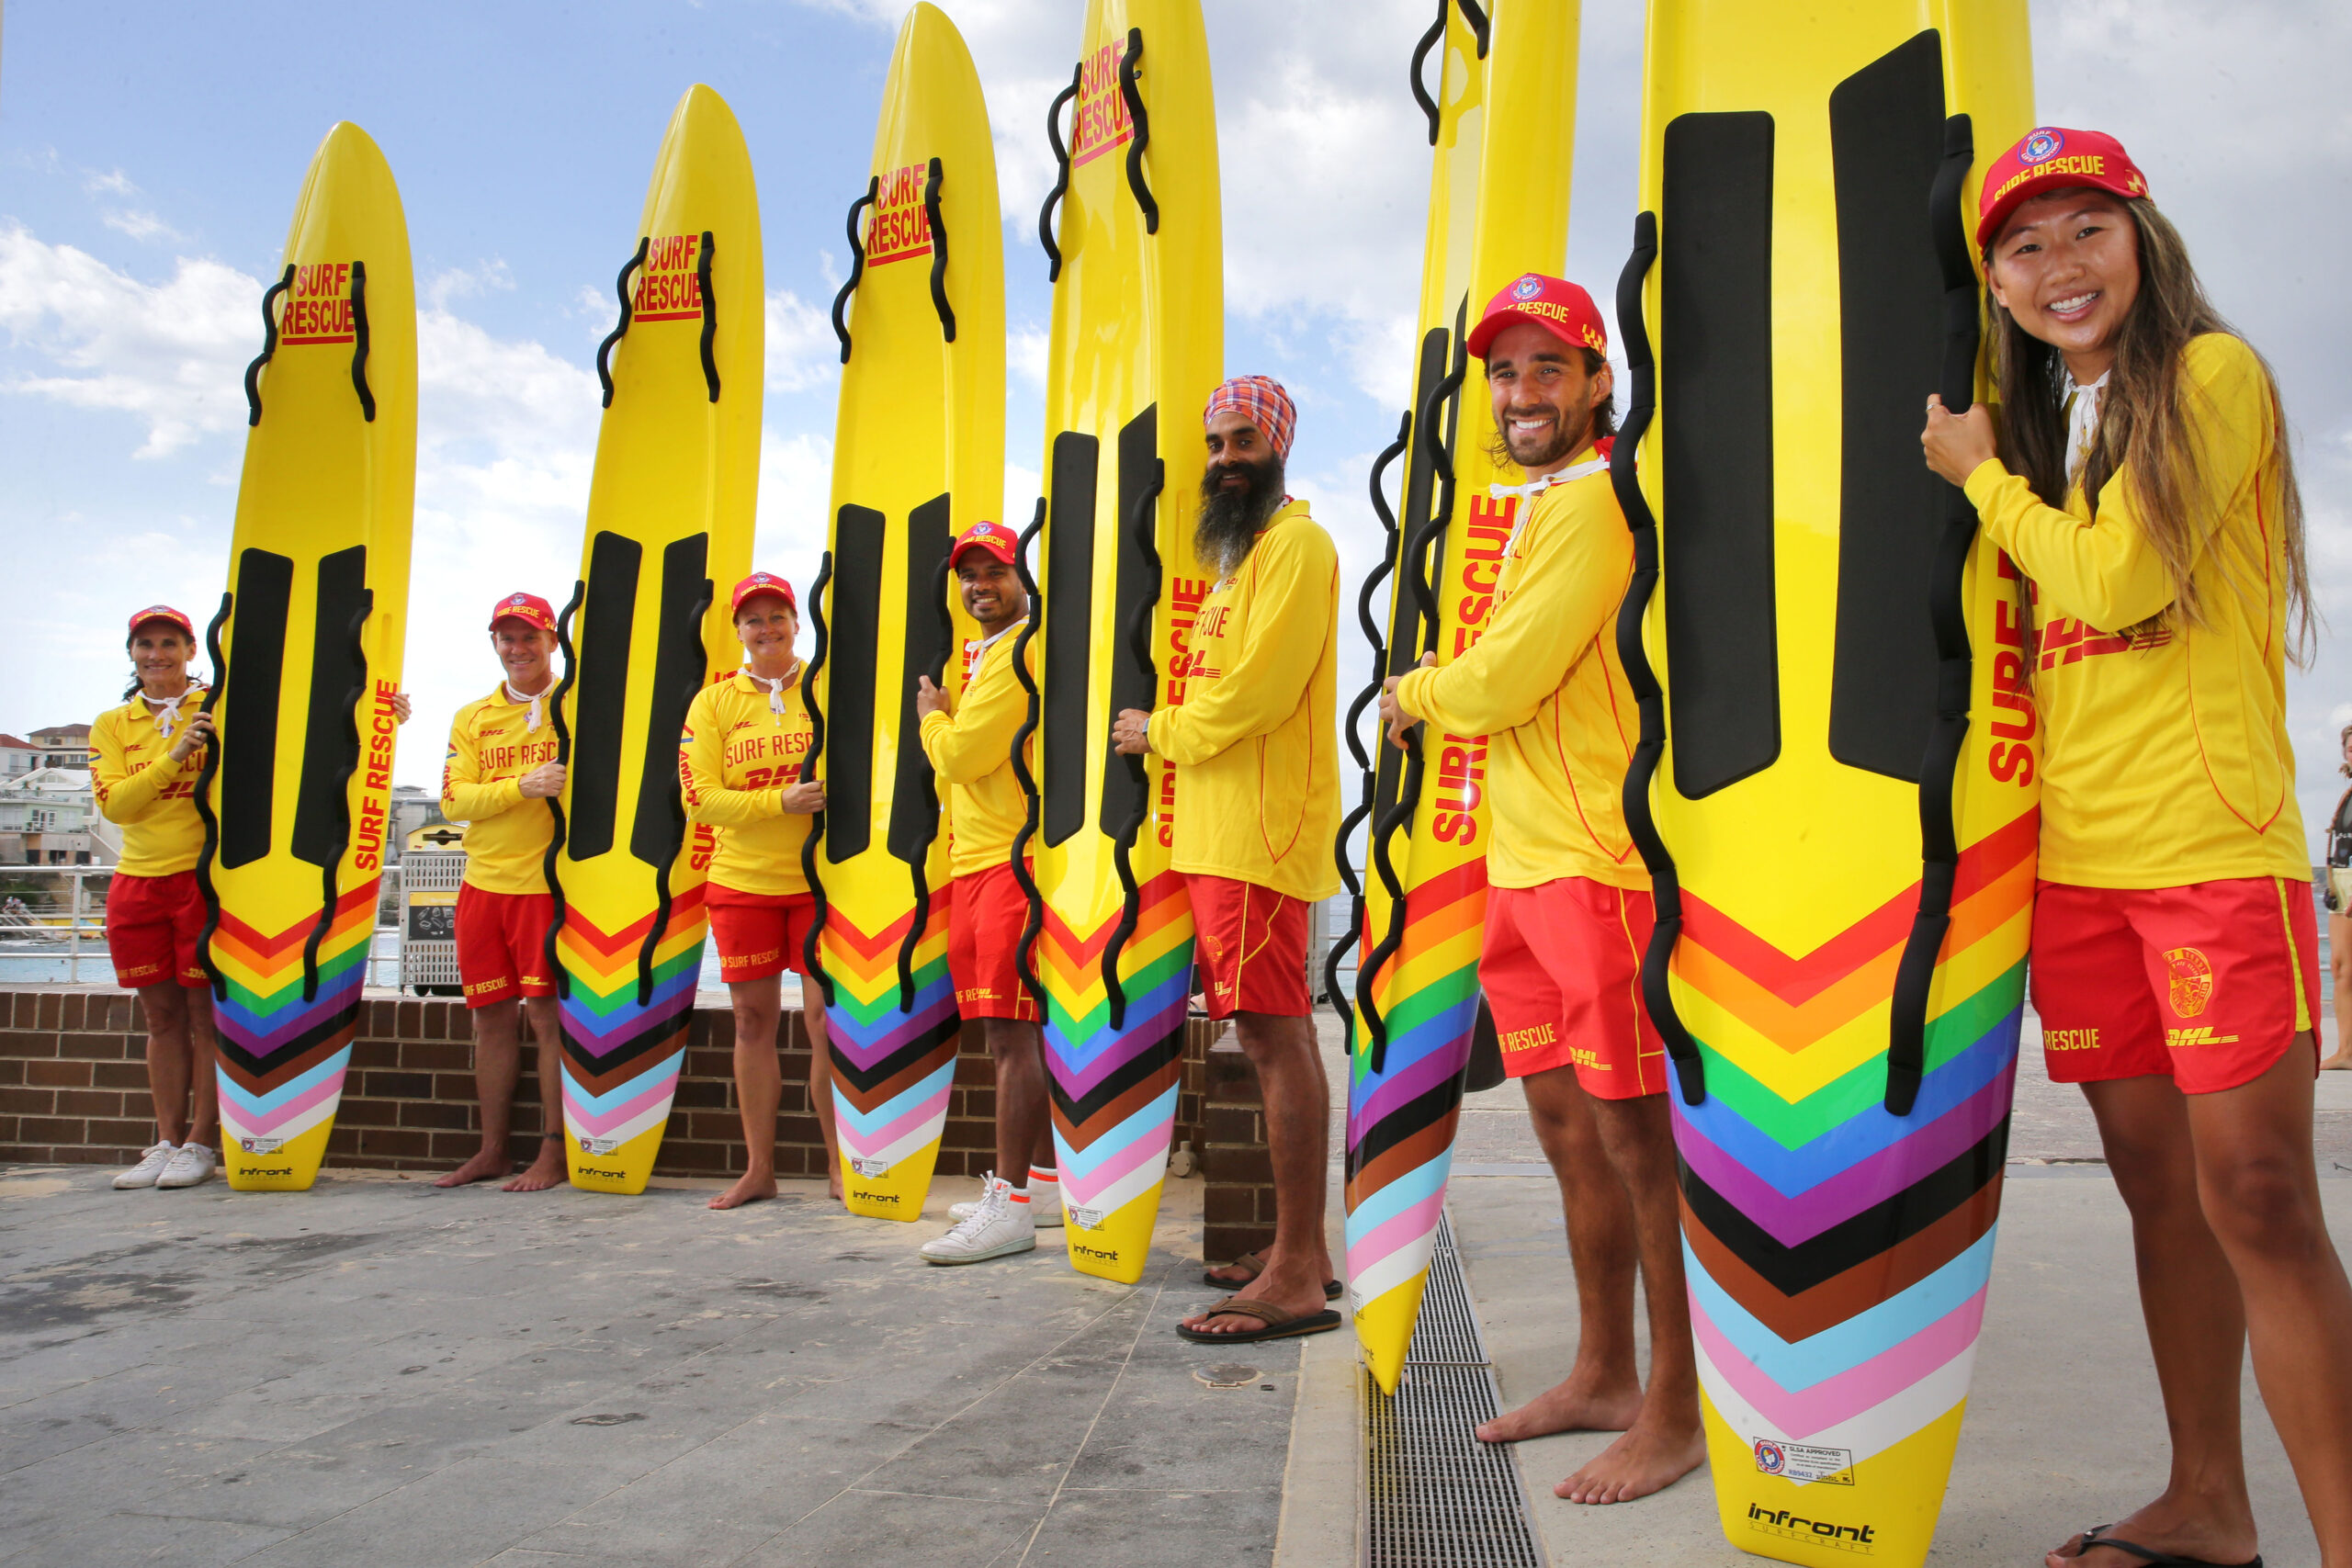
(1256, 1263)
(1278, 1324)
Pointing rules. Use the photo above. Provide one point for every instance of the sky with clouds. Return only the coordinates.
(150, 157)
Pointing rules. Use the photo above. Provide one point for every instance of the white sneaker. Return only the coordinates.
(997, 1227)
(151, 1165)
(192, 1166)
(1044, 1205)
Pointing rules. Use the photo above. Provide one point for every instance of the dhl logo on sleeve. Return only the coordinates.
(669, 288)
(1101, 122)
(318, 306)
(901, 225)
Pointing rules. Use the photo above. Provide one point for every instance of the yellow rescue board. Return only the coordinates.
(1499, 208)
(1845, 793)
(308, 645)
(922, 314)
(1137, 346)
(669, 532)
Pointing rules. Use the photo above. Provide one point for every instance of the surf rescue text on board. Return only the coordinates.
(1101, 121)
(318, 305)
(1462, 759)
(1185, 596)
(669, 288)
(2010, 757)
(382, 726)
(900, 226)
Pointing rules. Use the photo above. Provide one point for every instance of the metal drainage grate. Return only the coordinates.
(1434, 1496)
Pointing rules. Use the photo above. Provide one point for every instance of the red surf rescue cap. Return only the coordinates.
(1559, 307)
(994, 538)
(527, 608)
(162, 613)
(761, 582)
(2053, 158)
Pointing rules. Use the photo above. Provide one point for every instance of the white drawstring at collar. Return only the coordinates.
(531, 721)
(2082, 423)
(1536, 486)
(775, 690)
(165, 711)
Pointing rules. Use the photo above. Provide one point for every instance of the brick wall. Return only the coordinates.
(73, 1091)
(1238, 1203)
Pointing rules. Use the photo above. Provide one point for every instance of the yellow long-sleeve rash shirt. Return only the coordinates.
(972, 749)
(2165, 755)
(491, 746)
(1542, 686)
(735, 760)
(140, 790)
(1254, 741)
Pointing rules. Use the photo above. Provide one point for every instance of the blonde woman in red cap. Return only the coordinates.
(500, 775)
(740, 762)
(145, 759)
(1568, 910)
(2141, 477)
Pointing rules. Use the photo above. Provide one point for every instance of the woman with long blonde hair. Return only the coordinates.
(2141, 478)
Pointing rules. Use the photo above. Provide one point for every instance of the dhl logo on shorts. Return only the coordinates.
(2070, 1039)
(2202, 1034)
(2192, 981)
(1528, 1039)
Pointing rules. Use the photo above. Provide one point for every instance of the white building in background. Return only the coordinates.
(18, 756)
(49, 816)
(62, 746)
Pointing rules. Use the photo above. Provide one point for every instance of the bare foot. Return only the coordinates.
(1580, 1403)
(748, 1187)
(2339, 1062)
(483, 1167)
(546, 1171)
(834, 1188)
(2184, 1529)
(1296, 1290)
(1647, 1458)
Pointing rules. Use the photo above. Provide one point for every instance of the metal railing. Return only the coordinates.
(50, 911)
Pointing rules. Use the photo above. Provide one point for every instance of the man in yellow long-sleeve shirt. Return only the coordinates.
(972, 748)
(500, 775)
(1258, 794)
(1568, 908)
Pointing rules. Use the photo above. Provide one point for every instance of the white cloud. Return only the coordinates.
(490, 276)
(140, 225)
(802, 350)
(114, 181)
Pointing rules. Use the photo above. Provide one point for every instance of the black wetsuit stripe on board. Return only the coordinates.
(1125, 785)
(608, 625)
(329, 748)
(914, 799)
(1069, 636)
(1716, 397)
(854, 608)
(249, 718)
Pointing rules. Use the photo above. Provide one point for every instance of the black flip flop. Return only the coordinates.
(2096, 1535)
(1256, 1263)
(1278, 1324)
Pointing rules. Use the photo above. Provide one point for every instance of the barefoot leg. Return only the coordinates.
(1666, 1441)
(546, 1170)
(759, 1084)
(1602, 1391)
(498, 1065)
(820, 1083)
(2339, 966)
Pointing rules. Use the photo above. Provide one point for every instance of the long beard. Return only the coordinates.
(1230, 520)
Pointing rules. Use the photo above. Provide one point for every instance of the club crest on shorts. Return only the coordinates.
(2192, 981)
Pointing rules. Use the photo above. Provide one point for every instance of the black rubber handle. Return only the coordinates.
(1139, 626)
(938, 250)
(811, 951)
(661, 900)
(1141, 119)
(1428, 41)
(359, 341)
(709, 316)
(1024, 952)
(268, 343)
(330, 894)
(620, 331)
(1649, 697)
(916, 865)
(1475, 15)
(548, 863)
(856, 264)
(1061, 176)
(205, 775)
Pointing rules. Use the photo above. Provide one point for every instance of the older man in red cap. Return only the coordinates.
(969, 743)
(1253, 745)
(500, 774)
(1568, 901)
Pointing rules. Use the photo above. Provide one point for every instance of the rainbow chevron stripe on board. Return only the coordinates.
(1852, 829)
(1115, 1089)
(893, 1068)
(622, 1057)
(282, 1059)
(296, 797)
(1504, 143)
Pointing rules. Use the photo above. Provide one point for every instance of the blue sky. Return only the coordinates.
(149, 156)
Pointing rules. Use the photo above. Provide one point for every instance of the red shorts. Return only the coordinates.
(986, 912)
(503, 944)
(1249, 945)
(154, 926)
(759, 934)
(1562, 969)
(2209, 983)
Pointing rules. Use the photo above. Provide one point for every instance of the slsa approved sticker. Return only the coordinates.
(1801, 1462)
